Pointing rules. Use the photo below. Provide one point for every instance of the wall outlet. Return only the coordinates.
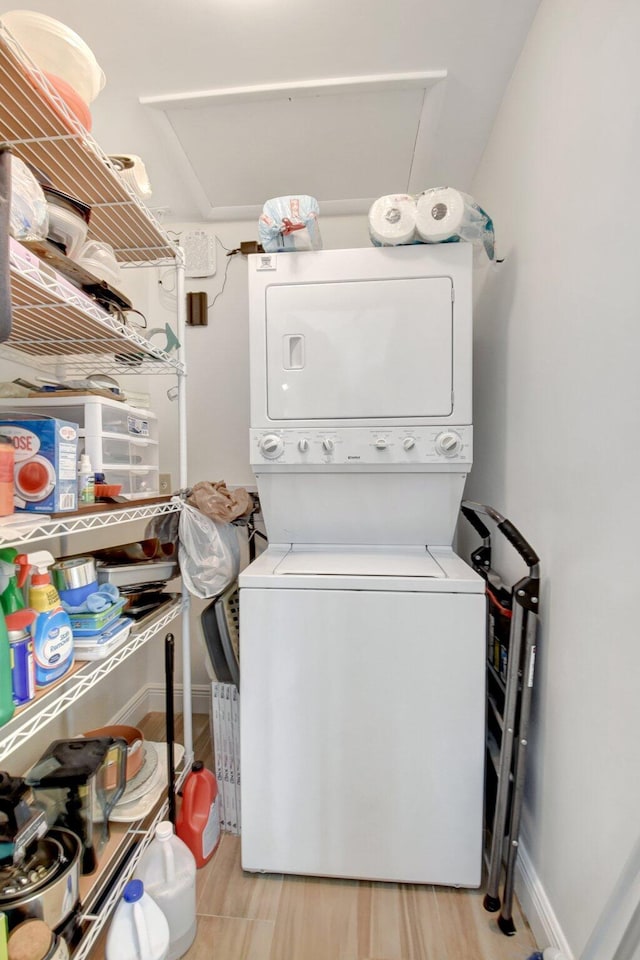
(165, 484)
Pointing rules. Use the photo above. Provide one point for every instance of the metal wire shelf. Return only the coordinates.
(54, 323)
(77, 523)
(35, 715)
(42, 131)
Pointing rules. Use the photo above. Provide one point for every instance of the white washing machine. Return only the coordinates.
(362, 633)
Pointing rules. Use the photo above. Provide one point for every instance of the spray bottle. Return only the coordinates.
(52, 635)
(11, 598)
(19, 623)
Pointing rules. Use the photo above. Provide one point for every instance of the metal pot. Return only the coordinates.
(54, 899)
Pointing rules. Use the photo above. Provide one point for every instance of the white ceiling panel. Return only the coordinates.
(221, 161)
(334, 146)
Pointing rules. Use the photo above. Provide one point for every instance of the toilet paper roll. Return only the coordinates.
(440, 214)
(392, 220)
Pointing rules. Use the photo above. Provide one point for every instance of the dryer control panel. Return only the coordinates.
(363, 446)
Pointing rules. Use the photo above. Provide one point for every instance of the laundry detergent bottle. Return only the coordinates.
(168, 871)
(198, 822)
(52, 635)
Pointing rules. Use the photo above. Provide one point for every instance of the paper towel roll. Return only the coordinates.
(440, 214)
(392, 220)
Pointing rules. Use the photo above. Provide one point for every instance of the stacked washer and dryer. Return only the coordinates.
(362, 632)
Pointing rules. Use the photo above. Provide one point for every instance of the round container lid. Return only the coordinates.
(164, 830)
(30, 940)
(133, 891)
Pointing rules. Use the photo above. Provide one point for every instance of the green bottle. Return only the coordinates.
(11, 598)
(6, 690)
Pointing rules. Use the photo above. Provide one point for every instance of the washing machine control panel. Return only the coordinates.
(367, 446)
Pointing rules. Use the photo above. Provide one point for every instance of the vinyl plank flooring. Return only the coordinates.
(317, 920)
(225, 890)
(470, 933)
(229, 938)
(404, 923)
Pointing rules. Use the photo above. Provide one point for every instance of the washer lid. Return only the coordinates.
(313, 560)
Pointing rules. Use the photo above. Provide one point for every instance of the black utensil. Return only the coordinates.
(169, 654)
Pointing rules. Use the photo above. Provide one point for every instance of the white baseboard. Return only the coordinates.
(151, 698)
(537, 908)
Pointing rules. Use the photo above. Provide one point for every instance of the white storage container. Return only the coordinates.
(121, 441)
(136, 483)
(57, 49)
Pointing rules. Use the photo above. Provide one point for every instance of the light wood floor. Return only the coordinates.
(242, 916)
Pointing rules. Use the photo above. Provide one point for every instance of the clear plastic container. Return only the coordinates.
(100, 260)
(55, 48)
(139, 929)
(66, 227)
(134, 481)
(109, 453)
(168, 871)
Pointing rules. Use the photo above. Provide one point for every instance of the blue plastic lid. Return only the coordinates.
(133, 891)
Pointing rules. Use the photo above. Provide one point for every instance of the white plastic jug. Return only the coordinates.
(168, 871)
(139, 929)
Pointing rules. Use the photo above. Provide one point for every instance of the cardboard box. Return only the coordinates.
(46, 458)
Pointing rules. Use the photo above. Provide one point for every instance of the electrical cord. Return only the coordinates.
(121, 314)
(230, 254)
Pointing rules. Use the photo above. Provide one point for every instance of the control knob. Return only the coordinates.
(271, 446)
(381, 444)
(328, 445)
(409, 443)
(303, 445)
(449, 444)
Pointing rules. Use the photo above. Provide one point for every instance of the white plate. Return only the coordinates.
(127, 812)
(140, 784)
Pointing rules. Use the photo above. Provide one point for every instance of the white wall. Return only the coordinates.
(557, 410)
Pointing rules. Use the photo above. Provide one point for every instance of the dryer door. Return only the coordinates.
(360, 349)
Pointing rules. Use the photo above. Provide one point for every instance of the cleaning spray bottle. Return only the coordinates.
(11, 598)
(19, 622)
(52, 635)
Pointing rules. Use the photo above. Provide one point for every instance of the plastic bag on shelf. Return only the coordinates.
(215, 500)
(290, 223)
(444, 215)
(29, 211)
(209, 553)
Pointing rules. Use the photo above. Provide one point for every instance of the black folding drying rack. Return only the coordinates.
(512, 616)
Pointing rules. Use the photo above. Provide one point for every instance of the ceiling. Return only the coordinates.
(230, 102)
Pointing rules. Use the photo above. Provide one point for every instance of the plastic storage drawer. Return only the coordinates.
(135, 482)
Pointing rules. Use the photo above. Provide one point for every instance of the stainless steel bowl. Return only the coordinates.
(71, 574)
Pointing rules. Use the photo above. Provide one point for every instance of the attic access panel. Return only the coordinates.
(335, 140)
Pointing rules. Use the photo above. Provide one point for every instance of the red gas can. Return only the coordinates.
(198, 821)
